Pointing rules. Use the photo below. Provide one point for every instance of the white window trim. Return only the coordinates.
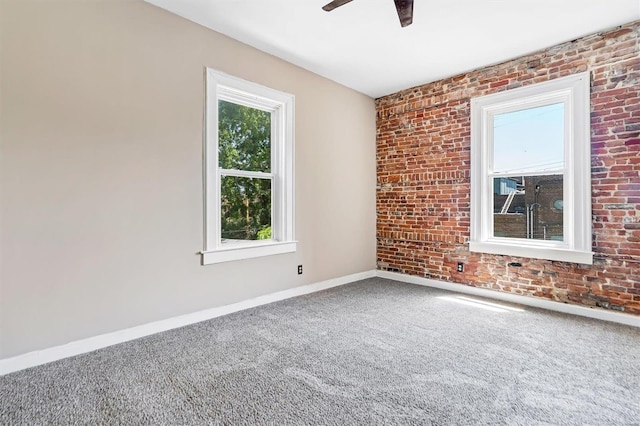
(281, 105)
(573, 91)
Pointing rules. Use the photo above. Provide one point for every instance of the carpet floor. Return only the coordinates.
(371, 352)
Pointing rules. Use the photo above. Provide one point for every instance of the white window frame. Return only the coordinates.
(221, 86)
(573, 92)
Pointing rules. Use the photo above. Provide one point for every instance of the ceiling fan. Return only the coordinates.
(404, 8)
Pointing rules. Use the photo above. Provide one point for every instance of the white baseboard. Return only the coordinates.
(31, 359)
(536, 302)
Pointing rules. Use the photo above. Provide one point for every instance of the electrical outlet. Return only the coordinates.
(299, 269)
(460, 267)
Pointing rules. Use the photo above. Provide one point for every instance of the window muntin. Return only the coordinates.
(249, 170)
(530, 148)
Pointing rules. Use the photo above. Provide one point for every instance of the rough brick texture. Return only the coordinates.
(423, 169)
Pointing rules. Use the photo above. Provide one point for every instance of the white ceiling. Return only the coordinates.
(361, 44)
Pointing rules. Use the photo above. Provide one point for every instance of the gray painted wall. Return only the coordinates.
(101, 187)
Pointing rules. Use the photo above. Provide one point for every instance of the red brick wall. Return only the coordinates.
(423, 192)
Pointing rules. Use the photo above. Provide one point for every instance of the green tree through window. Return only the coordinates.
(248, 163)
(244, 144)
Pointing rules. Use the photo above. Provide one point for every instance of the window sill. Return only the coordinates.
(546, 253)
(230, 252)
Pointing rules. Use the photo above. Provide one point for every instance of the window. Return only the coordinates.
(248, 170)
(531, 171)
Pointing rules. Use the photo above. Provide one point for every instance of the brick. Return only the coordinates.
(423, 161)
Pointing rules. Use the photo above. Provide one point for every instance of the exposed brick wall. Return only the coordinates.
(423, 169)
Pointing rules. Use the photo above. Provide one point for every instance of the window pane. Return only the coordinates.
(244, 138)
(245, 208)
(528, 207)
(530, 140)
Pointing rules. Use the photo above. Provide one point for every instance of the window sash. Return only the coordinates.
(573, 92)
(251, 175)
(275, 126)
(491, 217)
(241, 98)
(545, 99)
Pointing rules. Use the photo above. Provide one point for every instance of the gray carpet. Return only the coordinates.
(372, 352)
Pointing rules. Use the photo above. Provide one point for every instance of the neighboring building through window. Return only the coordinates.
(249, 170)
(530, 181)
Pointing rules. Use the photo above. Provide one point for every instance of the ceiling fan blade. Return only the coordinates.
(335, 3)
(405, 11)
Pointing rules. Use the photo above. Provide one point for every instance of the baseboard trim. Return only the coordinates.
(32, 359)
(535, 302)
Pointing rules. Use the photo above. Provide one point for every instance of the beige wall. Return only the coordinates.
(101, 127)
